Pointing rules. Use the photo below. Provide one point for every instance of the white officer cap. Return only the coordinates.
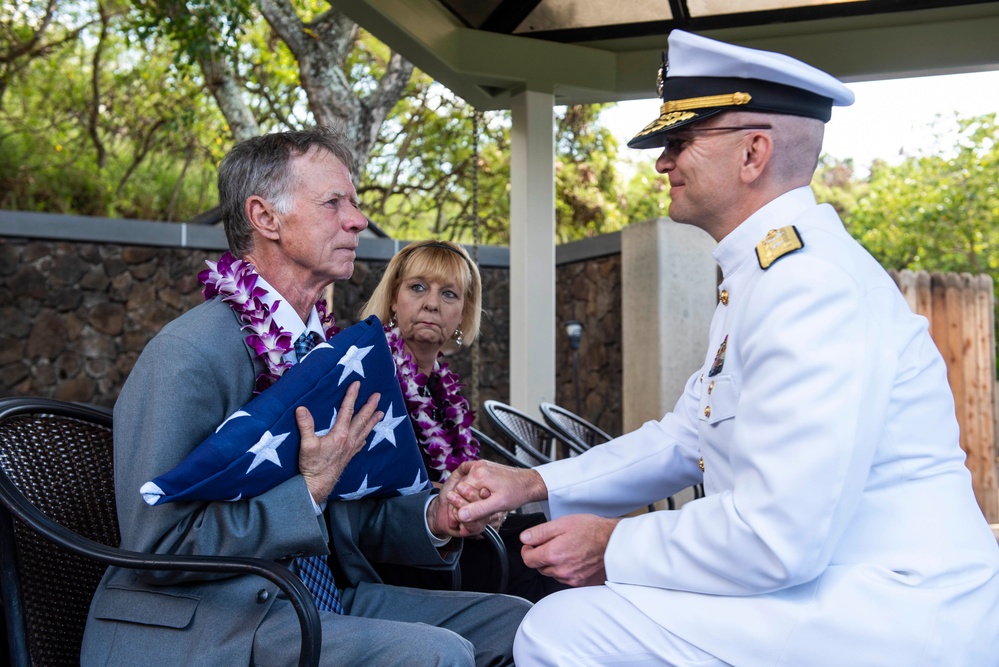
(704, 77)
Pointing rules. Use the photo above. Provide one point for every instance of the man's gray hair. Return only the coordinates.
(259, 166)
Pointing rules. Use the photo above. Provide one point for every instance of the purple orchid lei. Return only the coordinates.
(236, 281)
(442, 416)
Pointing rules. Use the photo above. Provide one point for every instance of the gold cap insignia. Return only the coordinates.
(663, 70)
(778, 242)
(666, 120)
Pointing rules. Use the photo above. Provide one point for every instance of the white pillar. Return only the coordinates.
(669, 292)
(532, 251)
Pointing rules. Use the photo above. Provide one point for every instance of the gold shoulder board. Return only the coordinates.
(778, 242)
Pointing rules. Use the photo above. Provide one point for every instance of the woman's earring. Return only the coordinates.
(392, 322)
(458, 333)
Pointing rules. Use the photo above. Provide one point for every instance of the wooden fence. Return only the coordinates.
(960, 308)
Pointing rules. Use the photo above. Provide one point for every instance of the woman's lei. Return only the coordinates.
(236, 281)
(442, 416)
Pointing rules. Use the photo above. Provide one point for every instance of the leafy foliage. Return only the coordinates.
(92, 126)
(420, 177)
(120, 120)
(585, 177)
(936, 212)
(118, 108)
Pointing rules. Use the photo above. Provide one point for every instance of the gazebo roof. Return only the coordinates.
(597, 51)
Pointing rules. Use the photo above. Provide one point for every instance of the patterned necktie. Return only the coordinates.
(305, 343)
(315, 570)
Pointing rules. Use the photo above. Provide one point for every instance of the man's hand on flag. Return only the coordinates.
(322, 458)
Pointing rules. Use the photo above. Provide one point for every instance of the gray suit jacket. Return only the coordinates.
(190, 377)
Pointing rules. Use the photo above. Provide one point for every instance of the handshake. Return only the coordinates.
(569, 549)
(478, 491)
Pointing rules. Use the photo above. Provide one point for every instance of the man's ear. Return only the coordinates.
(758, 149)
(262, 217)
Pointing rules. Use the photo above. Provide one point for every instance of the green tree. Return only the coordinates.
(935, 212)
(433, 158)
(131, 103)
(304, 55)
(586, 180)
(646, 196)
(104, 123)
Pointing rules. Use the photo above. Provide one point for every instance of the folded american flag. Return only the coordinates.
(256, 447)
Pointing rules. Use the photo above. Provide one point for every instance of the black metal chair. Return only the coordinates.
(59, 532)
(585, 434)
(573, 427)
(537, 439)
(509, 455)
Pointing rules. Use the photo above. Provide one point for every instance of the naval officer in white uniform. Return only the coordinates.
(839, 525)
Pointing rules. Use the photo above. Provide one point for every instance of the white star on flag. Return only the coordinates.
(266, 449)
(327, 430)
(385, 429)
(418, 485)
(237, 413)
(362, 491)
(352, 361)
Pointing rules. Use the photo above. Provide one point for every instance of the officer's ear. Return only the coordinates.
(757, 151)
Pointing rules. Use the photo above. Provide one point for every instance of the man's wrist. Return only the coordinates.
(537, 489)
(430, 514)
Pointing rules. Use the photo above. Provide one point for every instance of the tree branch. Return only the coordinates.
(95, 89)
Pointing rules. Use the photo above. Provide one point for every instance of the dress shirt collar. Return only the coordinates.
(286, 317)
(740, 245)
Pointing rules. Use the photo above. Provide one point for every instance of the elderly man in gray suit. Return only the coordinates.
(291, 211)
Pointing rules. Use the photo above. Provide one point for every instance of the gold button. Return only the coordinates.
(711, 386)
(724, 297)
(701, 464)
(707, 411)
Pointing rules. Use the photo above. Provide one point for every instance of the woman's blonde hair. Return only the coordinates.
(440, 261)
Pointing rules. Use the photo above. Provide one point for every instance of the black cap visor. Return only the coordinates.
(689, 100)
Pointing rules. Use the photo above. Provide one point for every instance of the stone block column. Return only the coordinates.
(669, 292)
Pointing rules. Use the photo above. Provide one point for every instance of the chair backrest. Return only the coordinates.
(509, 455)
(572, 426)
(60, 457)
(537, 439)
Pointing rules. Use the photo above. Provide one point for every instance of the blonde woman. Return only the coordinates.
(431, 294)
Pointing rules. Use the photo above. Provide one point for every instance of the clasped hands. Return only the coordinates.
(569, 549)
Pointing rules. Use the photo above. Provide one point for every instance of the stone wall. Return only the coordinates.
(590, 291)
(75, 316)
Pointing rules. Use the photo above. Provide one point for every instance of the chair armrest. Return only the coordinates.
(282, 577)
(493, 537)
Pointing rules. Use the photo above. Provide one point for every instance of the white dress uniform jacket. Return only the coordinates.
(839, 526)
